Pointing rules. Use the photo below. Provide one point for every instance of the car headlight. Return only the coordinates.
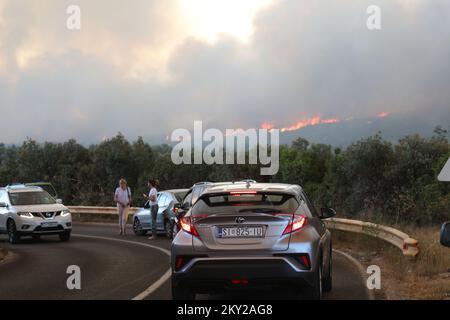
(65, 213)
(25, 215)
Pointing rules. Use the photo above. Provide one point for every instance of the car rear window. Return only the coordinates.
(180, 195)
(245, 202)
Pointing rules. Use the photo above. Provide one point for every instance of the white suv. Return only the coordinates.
(31, 211)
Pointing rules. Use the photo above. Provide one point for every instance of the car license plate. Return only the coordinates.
(241, 232)
(49, 224)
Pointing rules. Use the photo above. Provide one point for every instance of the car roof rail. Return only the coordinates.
(202, 183)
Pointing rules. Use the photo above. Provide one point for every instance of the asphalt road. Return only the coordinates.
(114, 267)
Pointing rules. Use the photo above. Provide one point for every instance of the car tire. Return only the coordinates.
(174, 230)
(13, 235)
(182, 293)
(327, 282)
(137, 228)
(168, 225)
(64, 236)
(315, 292)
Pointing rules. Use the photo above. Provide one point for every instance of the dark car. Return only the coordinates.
(191, 197)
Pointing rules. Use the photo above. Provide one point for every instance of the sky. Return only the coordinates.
(148, 67)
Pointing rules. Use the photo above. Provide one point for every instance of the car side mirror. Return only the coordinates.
(326, 213)
(445, 234)
(3, 205)
(59, 201)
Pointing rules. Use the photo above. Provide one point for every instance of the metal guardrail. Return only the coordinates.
(97, 210)
(409, 246)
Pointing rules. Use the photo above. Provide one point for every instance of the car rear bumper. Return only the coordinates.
(212, 274)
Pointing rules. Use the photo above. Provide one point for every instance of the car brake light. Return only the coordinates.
(239, 281)
(238, 193)
(295, 224)
(186, 225)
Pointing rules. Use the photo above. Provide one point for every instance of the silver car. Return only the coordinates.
(142, 219)
(31, 211)
(252, 236)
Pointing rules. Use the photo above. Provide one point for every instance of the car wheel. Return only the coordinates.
(13, 236)
(327, 283)
(137, 228)
(174, 230)
(315, 292)
(168, 228)
(64, 236)
(182, 293)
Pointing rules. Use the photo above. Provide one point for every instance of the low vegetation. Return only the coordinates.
(371, 179)
(425, 277)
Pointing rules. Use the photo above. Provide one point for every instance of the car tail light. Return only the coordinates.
(179, 263)
(239, 281)
(243, 192)
(182, 261)
(304, 259)
(301, 258)
(188, 226)
(295, 224)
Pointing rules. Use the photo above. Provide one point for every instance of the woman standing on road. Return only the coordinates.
(153, 203)
(122, 197)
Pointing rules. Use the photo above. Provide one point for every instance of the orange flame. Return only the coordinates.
(300, 124)
(384, 114)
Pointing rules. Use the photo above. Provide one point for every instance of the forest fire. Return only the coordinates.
(384, 114)
(300, 124)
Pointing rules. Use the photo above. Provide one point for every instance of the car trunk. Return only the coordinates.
(242, 231)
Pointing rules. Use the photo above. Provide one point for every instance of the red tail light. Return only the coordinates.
(305, 260)
(239, 281)
(295, 224)
(243, 192)
(186, 225)
(179, 263)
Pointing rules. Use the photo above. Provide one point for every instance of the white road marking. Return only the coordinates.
(361, 270)
(158, 283)
(154, 286)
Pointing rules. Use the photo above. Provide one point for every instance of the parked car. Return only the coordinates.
(32, 211)
(142, 220)
(191, 196)
(252, 236)
(47, 186)
(445, 234)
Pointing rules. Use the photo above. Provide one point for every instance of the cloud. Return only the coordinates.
(135, 67)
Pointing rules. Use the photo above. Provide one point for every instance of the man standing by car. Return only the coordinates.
(153, 203)
(122, 197)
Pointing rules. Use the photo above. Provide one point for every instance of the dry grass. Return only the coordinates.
(426, 277)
